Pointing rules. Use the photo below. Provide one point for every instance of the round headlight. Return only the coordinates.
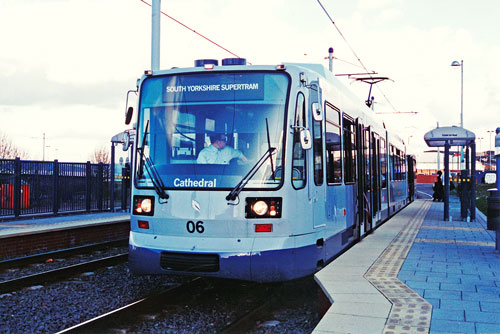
(146, 205)
(260, 208)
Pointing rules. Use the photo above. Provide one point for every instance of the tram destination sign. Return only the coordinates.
(213, 87)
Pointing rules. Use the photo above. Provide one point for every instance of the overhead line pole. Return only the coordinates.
(155, 35)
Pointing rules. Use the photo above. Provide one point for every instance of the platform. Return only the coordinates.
(36, 224)
(416, 274)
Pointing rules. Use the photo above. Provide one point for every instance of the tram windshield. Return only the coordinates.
(208, 130)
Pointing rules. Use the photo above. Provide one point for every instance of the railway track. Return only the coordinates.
(60, 273)
(132, 317)
(248, 320)
(59, 254)
(148, 314)
(146, 305)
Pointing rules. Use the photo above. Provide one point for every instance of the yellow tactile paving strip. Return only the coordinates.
(410, 313)
(457, 242)
(452, 228)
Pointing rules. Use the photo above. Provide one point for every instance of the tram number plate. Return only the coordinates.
(195, 227)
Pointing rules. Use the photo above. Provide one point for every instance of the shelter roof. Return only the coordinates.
(456, 136)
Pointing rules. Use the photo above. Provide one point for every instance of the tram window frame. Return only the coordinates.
(392, 163)
(367, 158)
(318, 152)
(403, 165)
(400, 165)
(299, 155)
(349, 147)
(383, 162)
(334, 172)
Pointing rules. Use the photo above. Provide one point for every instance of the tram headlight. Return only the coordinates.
(263, 207)
(144, 205)
(260, 208)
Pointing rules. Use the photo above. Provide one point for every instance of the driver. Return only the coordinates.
(218, 152)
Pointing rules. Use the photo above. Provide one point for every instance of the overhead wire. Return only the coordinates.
(197, 33)
(354, 53)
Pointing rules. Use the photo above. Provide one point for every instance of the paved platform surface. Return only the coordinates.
(416, 274)
(36, 224)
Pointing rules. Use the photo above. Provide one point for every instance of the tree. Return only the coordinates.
(101, 154)
(10, 151)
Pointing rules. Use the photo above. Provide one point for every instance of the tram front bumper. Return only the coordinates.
(252, 259)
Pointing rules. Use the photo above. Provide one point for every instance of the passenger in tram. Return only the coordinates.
(218, 152)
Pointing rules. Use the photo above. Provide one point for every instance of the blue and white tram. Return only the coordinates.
(319, 171)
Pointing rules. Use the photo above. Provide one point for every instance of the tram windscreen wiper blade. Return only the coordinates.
(156, 179)
(140, 171)
(158, 184)
(233, 194)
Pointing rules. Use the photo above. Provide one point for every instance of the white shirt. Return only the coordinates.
(212, 155)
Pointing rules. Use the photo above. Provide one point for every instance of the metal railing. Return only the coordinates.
(52, 187)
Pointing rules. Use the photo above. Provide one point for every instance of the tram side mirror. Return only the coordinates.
(305, 139)
(129, 110)
(128, 115)
(317, 112)
(126, 139)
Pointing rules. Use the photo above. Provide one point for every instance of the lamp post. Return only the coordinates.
(44, 146)
(480, 152)
(480, 140)
(455, 63)
(489, 152)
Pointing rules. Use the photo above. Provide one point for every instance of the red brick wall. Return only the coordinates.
(11, 247)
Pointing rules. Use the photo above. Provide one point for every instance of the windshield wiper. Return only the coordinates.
(156, 179)
(233, 194)
(158, 184)
(140, 172)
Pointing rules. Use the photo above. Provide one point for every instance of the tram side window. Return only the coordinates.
(333, 145)
(403, 165)
(383, 162)
(398, 166)
(400, 163)
(367, 154)
(318, 153)
(299, 154)
(349, 150)
(392, 163)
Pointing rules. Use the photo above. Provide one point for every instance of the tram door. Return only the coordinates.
(364, 180)
(375, 173)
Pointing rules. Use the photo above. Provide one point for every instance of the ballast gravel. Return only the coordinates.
(54, 307)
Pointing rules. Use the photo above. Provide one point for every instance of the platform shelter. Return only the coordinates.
(457, 136)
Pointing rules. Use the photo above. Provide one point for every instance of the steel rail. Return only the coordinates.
(124, 314)
(248, 320)
(42, 257)
(61, 273)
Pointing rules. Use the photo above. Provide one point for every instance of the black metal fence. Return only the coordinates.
(52, 187)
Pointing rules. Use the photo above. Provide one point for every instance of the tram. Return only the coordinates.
(306, 169)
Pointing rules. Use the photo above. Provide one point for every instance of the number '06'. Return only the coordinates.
(192, 227)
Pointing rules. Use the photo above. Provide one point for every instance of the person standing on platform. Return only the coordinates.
(438, 188)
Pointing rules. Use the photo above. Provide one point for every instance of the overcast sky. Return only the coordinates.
(65, 66)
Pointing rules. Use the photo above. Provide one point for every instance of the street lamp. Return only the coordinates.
(480, 152)
(480, 140)
(455, 63)
(489, 152)
(44, 147)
